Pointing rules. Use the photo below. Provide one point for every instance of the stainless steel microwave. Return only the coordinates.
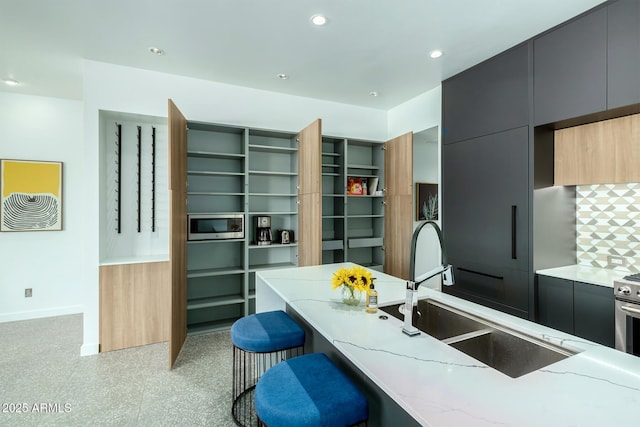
(215, 226)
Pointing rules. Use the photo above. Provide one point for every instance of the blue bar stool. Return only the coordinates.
(259, 342)
(309, 391)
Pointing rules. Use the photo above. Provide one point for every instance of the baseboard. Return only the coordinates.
(89, 349)
(38, 314)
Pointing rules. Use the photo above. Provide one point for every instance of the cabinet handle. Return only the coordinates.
(480, 273)
(514, 250)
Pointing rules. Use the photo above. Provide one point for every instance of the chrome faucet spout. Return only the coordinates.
(446, 270)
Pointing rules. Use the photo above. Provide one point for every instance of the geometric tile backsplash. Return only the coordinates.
(608, 226)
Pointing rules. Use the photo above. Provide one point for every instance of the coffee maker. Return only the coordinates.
(263, 230)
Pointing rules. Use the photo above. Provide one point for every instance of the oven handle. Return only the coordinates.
(633, 311)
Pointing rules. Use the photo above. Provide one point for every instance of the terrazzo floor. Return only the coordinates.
(45, 382)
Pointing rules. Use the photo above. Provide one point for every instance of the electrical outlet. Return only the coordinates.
(28, 292)
(616, 260)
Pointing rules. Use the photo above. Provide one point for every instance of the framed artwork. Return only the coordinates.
(30, 195)
(426, 201)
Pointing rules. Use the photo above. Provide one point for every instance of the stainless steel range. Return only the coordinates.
(627, 294)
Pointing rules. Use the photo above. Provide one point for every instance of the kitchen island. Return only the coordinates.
(437, 385)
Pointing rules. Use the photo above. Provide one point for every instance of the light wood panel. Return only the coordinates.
(398, 229)
(398, 215)
(134, 305)
(310, 195)
(310, 230)
(605, 152)
(177, 230)
(310, 158)
(398, 165)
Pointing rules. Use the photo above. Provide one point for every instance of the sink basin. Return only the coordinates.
(510, 352)
(438, 320)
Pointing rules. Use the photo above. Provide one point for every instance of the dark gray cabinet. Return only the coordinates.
(490, 97)
(570, 69)
(555, 308)
(577, 308)
(485, 226)
(594, 313)
(623, 53)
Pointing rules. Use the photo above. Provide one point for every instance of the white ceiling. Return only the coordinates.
(368, 45)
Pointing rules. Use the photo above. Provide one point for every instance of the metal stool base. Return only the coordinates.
(248, 367)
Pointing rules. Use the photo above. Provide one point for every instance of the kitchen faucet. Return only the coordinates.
(445, 269)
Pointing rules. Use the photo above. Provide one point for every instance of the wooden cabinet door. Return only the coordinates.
(310, 195)
(606, 152)
(398, 213)
(177, 230)
(133, 305)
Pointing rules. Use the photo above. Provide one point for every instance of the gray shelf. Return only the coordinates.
(210, 272)
(214, 155)
(200, 303)
(213, 173)
(272, 149)
(256, 172)
(254, 268)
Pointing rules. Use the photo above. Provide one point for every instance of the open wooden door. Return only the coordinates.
(310, 195)
(177, 230)
(398, 213)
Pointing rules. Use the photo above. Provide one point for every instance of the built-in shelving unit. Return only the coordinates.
(216, 269)
(273, 178)
(333, 200)
(352, 225)
(364, 214)
(237, 171)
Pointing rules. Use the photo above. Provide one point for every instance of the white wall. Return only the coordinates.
(422, 115)
(129, 90)
(49, 262)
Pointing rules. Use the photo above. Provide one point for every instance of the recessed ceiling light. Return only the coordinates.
(156, 50)
(283, 76)
(435, 54)
(319, 20)
(373, 93)
(11, 82)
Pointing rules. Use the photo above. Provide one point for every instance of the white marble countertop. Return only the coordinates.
(441, 386)
(585, 274)
(135, 260)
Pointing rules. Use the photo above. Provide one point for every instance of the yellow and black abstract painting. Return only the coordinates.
(31, 195)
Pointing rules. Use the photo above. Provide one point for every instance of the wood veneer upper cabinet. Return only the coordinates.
(606, 152)
(177, 230)
(134, 305)
(310, 195)
(398, 213)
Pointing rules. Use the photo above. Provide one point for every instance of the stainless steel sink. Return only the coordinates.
(505, 350)
(438, 320)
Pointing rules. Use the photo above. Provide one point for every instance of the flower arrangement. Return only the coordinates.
(354, 281)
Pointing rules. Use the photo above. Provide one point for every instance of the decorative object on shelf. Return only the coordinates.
(30, 195)
(118, 172)
(373, 185)
(354, 186)
(426, 201)
(353, 281)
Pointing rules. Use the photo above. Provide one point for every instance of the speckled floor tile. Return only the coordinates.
(44, 377)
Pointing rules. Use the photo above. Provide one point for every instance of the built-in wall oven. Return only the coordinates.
(627, 294)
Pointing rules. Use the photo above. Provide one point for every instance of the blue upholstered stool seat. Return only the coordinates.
(266, 332)
(308, 391)
(260, 341)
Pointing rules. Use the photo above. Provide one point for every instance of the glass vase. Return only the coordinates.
(351, 296)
